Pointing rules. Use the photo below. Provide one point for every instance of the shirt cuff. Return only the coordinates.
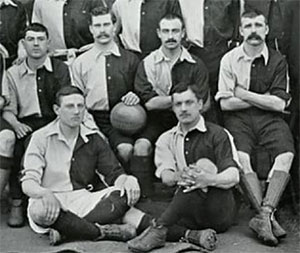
(223, 94)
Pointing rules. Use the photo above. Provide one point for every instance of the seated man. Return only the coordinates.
(198, 157)
(253, 93)
(105, 73)
(68, 169)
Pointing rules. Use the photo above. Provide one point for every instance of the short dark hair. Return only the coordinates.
(99, 11)
(66, 91)
(183, 86)
(36, 27)
(171, 16)
(253, 14)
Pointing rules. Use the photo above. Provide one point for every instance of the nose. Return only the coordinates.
(76, 110)
(183, 107)
(36, 42)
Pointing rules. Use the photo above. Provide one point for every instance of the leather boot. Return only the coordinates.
(116, 232)
(141, 168)
(274, 192)
(261, 225)
(153, 237)
(16, 215)
(252, 188)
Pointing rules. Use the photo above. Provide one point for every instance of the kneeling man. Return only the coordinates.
(197, 156)
(68, 169)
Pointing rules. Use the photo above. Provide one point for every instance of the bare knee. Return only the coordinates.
(37, 212)
(245, 161)
(125, 151)
(283, 162)
(7, 143)
(142, 147)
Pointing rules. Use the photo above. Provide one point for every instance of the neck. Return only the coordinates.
(104, 47)
(70, 133)
(188, 126)
(253, 51)
(172, 54)
(34, 64)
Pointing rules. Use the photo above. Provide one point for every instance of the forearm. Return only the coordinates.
(159, 103)
(33, 190)
(226, 179)
(264, 101)
(10, 118)
(233, 104)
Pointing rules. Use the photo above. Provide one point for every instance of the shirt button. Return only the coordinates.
(109, 77)
(143, 13)
(206, 7)
(0, 22)
(40, 90)
(73, 159)
(66, 14)
(253, 65)
(187, 139)
(186, 152)
(39, 78)
(108, 65)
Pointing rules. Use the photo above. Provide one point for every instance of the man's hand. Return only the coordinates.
(130, 186)
(22, 130)
(130, 99)
(201, 179)
(52, 207)
(170, 177)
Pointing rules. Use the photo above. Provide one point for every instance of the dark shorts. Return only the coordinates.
(254, 127)
(115, 137)
(158, 122)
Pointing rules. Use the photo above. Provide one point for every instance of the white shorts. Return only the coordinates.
(79, 202)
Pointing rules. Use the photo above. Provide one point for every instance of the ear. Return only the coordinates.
(183, 33)
(241, 31)
(200, 104)
(23, 42)
(158, 33)
(91, 29)
(56, 109)
(267, 29)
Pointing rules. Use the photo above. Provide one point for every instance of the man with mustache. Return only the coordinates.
(197, 157)
(253, 93)
(105, 73)
(32, 86)
(157, 78)
(137, 21)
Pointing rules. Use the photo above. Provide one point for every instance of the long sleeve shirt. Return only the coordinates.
(265, 73)
(32, 93)
(175, 150)
(155, 77)
(105, 76)
(54, 164)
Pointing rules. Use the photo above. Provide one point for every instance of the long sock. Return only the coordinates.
(175, 233)
(74, 227)
(108, 209)
(145, 222)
